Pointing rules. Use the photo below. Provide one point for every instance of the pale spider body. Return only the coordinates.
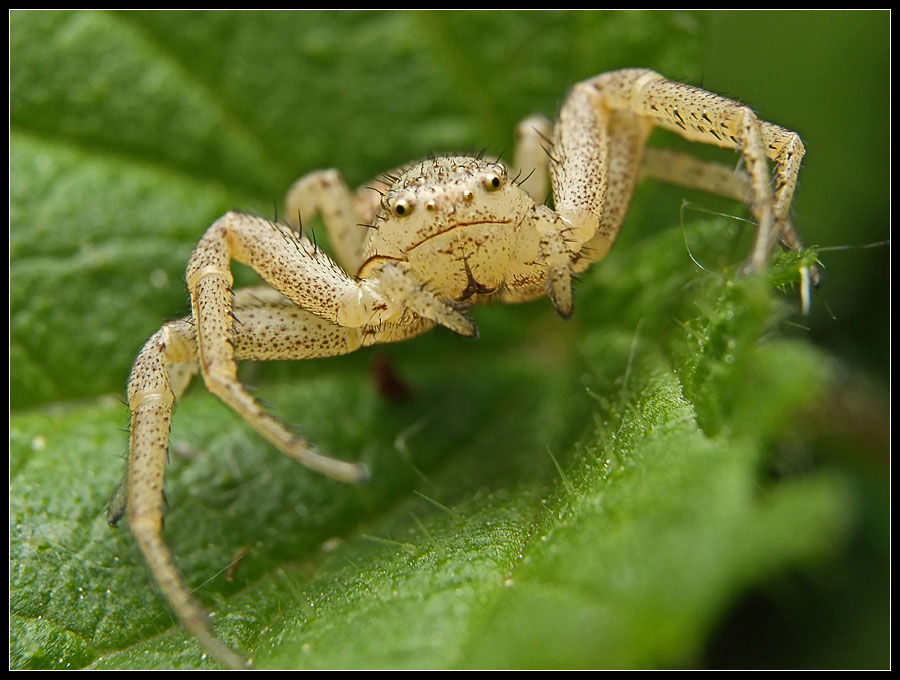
(462, 225)
(421, 245)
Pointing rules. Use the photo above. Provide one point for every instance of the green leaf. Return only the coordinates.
(592, 493)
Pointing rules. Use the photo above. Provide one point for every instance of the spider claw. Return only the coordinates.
(363, 474)
(460, 322)
(563, 307)
(559, 290)
(471, 330)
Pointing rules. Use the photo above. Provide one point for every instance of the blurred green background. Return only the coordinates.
(130, 132)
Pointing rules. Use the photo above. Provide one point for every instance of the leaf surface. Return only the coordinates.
(557, 494)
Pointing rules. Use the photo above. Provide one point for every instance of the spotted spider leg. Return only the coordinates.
(680, 168)
(324, 192)
(677, 167)
(151, 397)
(531, 162)
(597, 152)
(258, 324)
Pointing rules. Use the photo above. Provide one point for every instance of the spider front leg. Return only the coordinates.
(267, 326)
(702, 116)
(595, 158)
(303, 274)
(598, 148)
(151, 398)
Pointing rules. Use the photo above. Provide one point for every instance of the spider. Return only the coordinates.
(432, 239)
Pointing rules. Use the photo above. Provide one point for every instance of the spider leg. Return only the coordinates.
(702, 116)
(345, 215)
(265, 326)
(531, 160)
(599, 146)
(595, 161)
(683, 169)
(151, 399)
(302, 273)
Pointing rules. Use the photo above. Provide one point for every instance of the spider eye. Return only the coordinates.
(492, 181)
(402, 207)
